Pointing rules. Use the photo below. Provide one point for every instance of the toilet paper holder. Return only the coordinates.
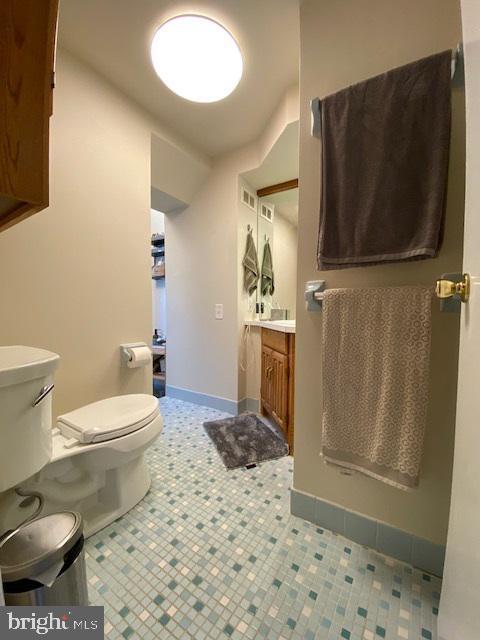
(126, 350)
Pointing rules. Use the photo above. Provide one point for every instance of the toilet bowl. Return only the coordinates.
(92, 461)
(98, 466)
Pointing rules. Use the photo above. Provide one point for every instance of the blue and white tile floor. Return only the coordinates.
(211, 553)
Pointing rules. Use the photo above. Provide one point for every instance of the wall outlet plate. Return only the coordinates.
(219, 311)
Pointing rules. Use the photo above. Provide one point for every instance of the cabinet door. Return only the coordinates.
(291, 391)
(279, 389)
(27, 44)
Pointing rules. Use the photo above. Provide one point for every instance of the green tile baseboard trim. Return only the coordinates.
(377, 535)
(249, 404)
(214, 402)
(203, 399)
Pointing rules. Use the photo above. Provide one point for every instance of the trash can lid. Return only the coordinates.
(37, 545)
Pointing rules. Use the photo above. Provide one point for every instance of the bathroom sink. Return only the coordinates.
(287, 323)
(286, 326)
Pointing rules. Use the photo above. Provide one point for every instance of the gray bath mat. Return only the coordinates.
(246, 439)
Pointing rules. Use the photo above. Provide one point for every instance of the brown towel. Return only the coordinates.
(385, 149)
(376, 350)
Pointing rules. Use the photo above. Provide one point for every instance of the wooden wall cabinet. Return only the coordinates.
(278, 380)
(27, 50)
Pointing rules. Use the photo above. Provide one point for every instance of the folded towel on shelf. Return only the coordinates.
(385, 150)
(250, 265)
(376, 350)
(268, 284)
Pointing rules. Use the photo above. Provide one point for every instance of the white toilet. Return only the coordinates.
(92, 461)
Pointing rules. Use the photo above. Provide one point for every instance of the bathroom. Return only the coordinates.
(292, 547)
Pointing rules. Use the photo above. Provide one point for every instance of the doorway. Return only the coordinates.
(159, 302)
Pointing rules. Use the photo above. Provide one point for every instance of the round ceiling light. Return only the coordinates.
(197, 58)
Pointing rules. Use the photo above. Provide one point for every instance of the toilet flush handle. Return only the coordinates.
(44, 391)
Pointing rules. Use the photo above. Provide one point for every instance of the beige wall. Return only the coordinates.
(247, 368)
(205, 245)
(75, 278)
(201, 270)
(285, 263)
(342, 43)
(253, 359)
(178, 171)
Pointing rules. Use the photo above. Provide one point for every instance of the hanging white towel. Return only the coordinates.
(376, 351)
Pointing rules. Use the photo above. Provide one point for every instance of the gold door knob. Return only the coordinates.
(447, 288)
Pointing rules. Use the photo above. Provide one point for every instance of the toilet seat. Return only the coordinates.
(110, 418)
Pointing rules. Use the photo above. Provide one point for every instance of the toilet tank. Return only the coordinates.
(26, 375)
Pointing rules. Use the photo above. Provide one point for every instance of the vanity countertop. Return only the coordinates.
(285, 326)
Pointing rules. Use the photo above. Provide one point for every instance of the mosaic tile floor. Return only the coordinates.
(211, 553)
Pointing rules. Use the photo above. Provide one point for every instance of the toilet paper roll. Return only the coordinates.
(139, 357)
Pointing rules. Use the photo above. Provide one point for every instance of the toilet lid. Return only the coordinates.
(109, 418)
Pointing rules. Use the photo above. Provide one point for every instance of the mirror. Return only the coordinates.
(277, 224)
(269, 210)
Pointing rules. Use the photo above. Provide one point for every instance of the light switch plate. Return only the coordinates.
(219, 311)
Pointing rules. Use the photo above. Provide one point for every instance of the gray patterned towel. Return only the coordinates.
(376, 351)
(250, 266)
(268, 280)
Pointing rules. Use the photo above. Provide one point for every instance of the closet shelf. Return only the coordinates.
(158, 255)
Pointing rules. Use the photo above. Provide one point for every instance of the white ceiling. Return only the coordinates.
(113, 36)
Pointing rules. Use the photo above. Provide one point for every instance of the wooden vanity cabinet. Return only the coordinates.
(278, 380)
(27, 48)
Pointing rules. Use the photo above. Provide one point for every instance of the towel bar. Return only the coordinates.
(314, 294)
(315, 105)
(452, 289)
